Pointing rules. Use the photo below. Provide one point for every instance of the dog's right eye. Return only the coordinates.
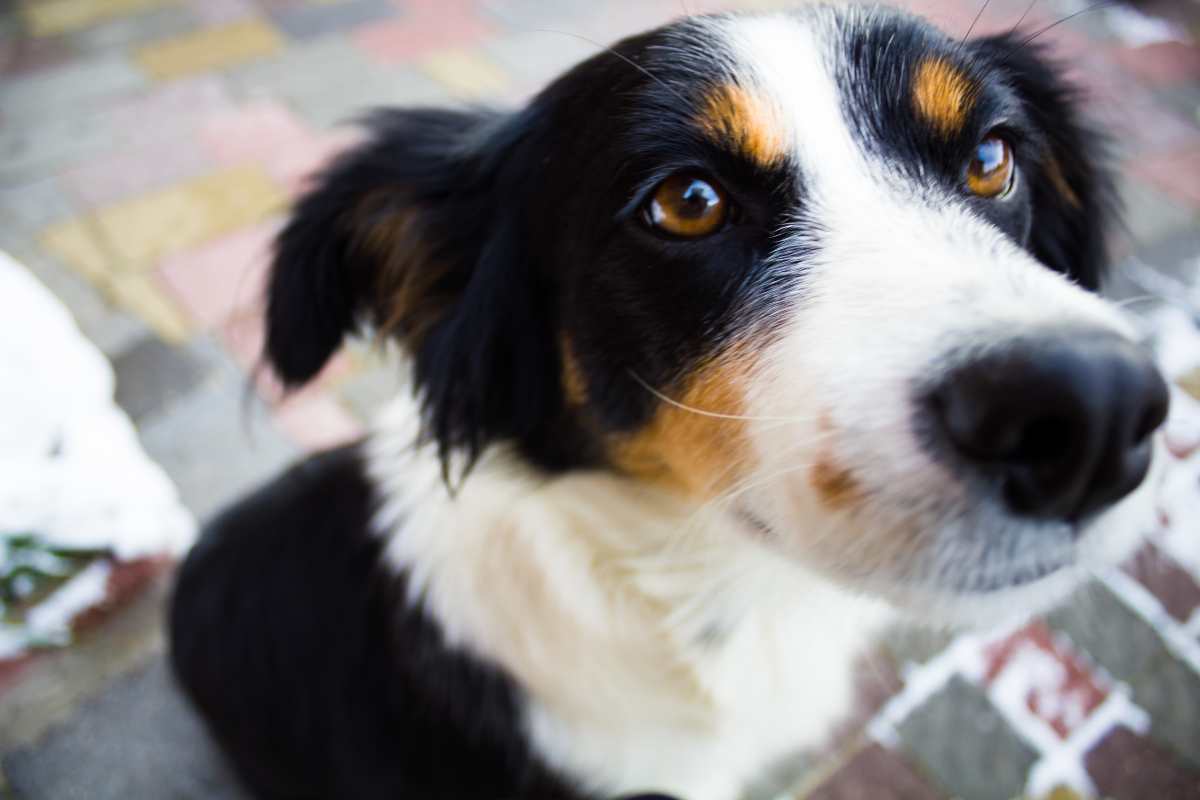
(687, 206)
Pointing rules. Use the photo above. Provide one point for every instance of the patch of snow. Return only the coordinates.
(71, 467)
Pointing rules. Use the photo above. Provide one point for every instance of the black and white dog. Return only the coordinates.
(740, 338)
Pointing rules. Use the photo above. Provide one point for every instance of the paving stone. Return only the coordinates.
(138, 739)
(217, 442)
(465, 73)
(1150, 215)
(209, 49)
(30, 154)
(422, 31)
(221, 12)
(1161, 64)
(250, 133)
(1126, 766)
(875, 774)
(29, 207)
(22, 55)
(151, 375)
(329, 81)
(1167, 581)
(47, 17)
(127, 172)
(963, 743)
(914, 644)
(81, 84)
(58, 681)
(221, 278)
(130, 31)
(309, 21)
(1176, 173)
(1120, 641)
(534, 58)
(103, 323)
(141, 231)
(524, 15)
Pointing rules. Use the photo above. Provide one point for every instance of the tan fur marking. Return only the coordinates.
(1061, 185)
(739, 117)
(943, 95)
(409, 303)
(835, 485)
(574, 381)
(695, 453)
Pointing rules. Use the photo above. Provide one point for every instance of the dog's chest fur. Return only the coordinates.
(583, 588)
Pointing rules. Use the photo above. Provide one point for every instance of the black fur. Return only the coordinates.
(316, 673)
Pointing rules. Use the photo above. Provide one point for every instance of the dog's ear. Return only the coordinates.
(421, 233)
(364, 246)
(1074, 202)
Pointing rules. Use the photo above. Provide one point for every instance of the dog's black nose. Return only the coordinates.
(1063, 420)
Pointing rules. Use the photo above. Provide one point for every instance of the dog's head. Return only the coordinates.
(831, 268)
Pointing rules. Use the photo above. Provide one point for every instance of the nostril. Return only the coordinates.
(1044, 440)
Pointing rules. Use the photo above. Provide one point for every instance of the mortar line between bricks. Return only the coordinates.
(1146, 605)
(1065, 760)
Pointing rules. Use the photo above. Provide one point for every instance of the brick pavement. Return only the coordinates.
(148, 149)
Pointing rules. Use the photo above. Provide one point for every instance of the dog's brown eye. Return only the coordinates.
(990, 173)
(687, 206)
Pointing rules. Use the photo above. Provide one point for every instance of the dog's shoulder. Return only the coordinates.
(327, 678)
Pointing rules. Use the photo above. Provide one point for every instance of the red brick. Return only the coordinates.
(1162, 64)
(251, 133)
(130, 172)
(1177, 173)
(223, 278)
(1126, 766)
(1066, 702)
(875, 774)
(1166, 580)
(425, 28)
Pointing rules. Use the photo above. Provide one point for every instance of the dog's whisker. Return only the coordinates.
(713, 414)
(622, 57)
(1021, 18)
(974, 22)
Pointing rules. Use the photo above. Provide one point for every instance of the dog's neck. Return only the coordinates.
(650, 632)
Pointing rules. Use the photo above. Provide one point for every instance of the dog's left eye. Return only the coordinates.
(688, 206)
(990, 173)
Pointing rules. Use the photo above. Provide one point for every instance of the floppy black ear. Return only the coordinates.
(421, 233)
(364, 245)
(1074, 202)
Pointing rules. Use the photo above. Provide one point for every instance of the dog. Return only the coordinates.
(742, 339)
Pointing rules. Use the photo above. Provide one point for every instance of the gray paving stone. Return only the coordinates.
(914, 643)
(368, 390)
(31, 153)
(328, 82)
(534, 58)
(1150, 215)
(152, 375)
(43, 95)
(1119, 640)
(217, 442)
(138, 739)
(524, 15)
(129, 31)
(29, 207)
(964, 743)
(309, 21)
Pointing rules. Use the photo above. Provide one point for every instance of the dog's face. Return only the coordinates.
(830, 270)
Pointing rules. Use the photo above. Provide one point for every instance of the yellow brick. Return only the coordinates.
(76, 244)
(466, 74)
(143, 230)
(141, 296)
(208, 49)
(51, 17)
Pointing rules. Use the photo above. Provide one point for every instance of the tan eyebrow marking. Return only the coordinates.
(943, 95)
(744, 120)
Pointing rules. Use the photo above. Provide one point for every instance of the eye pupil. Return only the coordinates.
(687, 206)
